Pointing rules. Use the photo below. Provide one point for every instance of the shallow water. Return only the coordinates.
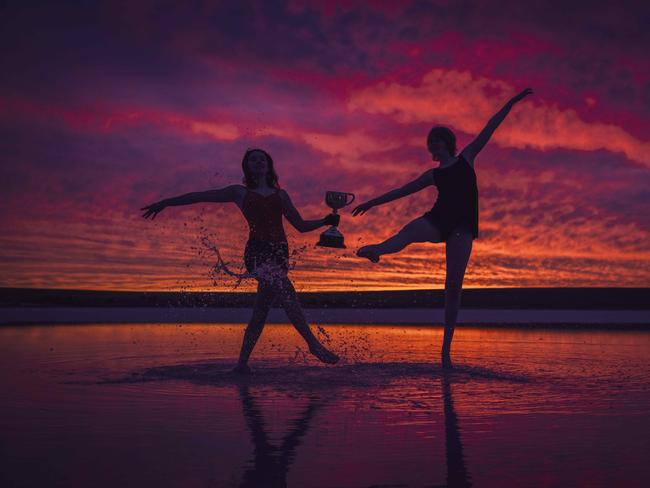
(136, 405)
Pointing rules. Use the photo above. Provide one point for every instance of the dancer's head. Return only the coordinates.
(441, 140)
(257, 164)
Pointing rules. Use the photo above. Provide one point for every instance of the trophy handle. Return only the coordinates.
(352, 195)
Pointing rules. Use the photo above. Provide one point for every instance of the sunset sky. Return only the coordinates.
(108, 106)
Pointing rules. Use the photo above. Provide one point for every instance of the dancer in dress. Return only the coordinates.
(454, 216)
(266, 256)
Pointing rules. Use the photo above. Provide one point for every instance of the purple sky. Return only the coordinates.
(106, 107)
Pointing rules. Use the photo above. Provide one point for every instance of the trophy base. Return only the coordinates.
(331, 238)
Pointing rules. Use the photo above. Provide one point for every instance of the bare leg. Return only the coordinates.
(263, 301)
(292, 307)
(418, 230)
(458, 250)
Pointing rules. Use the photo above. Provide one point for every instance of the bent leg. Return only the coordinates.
(294, 312)
(263, 302)
(458, 250)
(418, 230)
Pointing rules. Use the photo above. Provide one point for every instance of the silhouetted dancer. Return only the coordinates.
(454, 216)
(271, 463)
(263, 204)
(457, 475)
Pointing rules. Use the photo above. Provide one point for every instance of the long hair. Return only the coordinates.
(444, 134)
(249, 177)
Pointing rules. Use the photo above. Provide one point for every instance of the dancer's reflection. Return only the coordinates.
(271, 463)
(457, 474)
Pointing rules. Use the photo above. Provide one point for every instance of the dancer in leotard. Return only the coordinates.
(454, 216)
(263, 204)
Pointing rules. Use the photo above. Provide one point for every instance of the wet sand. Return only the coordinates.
(144, 404)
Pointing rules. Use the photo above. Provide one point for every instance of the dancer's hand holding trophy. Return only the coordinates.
(332, 237)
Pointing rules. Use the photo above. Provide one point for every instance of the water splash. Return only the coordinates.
(222, 267)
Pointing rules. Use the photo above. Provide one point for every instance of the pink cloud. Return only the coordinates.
(466, 102)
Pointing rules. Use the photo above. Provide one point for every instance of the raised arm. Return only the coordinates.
(471, 151)
(231, 193)
(421, 182)
(294, 218)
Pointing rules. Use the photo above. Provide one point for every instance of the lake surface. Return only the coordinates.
(155, 405)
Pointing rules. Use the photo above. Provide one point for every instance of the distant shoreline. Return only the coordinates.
(600, 307)
(473, 298)
(610, 319)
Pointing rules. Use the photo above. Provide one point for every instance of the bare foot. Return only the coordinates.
(242, 369)
(368, 252)
(322, 353)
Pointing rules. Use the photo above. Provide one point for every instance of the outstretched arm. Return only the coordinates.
(228, 194)
(414, 186)
(294, 218)
(471, 151)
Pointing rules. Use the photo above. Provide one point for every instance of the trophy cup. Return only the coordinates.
(332, 237)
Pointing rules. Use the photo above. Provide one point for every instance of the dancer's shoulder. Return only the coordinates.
(284, 196)
(428, 176)
(236, 192)
(467, 155)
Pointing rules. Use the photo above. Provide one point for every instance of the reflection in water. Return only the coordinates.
(79, 400)
(271, 463)
(457, 474)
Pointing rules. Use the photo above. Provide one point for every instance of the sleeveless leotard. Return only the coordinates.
(264, 216)
(457, 202)
(267, 242)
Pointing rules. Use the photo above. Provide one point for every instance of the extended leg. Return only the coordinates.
(418, 230)
(263, 302)
(294, 312)
(458, 250)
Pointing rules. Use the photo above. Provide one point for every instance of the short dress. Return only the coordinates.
(267, 242)
(457, 203)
